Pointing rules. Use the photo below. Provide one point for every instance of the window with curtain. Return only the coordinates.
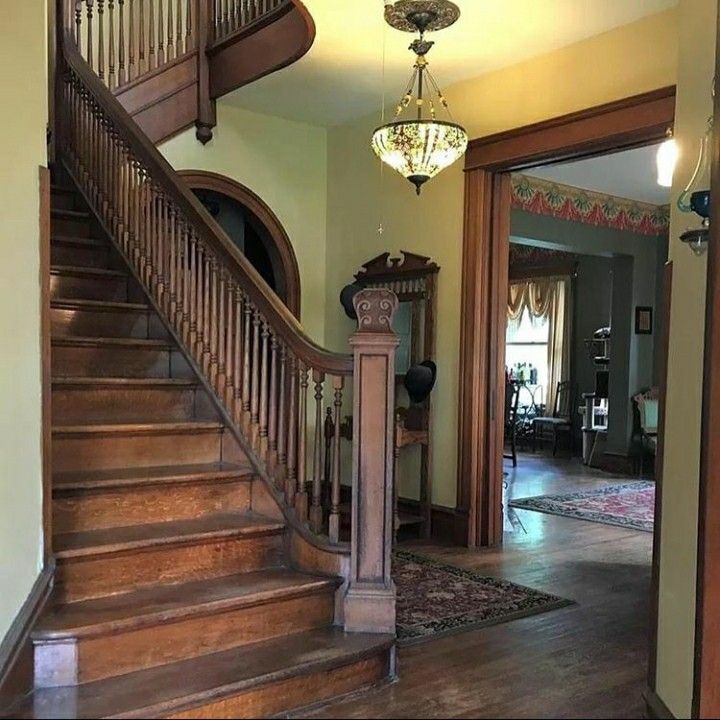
(527, 342)
(539, 330)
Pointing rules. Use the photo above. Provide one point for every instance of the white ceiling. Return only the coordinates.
(629, 174)
(341, 76)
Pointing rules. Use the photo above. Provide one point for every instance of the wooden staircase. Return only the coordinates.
(175, 592)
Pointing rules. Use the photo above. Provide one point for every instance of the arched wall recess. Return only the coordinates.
(282, 255)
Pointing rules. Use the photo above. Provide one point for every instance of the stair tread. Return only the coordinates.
(158, 343)
(122, 382)
(128, 477)
(77, 240)
(138, 427)
(74, 214)
(103, 305)
(162, 690)
(164, 603)
(109, 540)
(91, 271)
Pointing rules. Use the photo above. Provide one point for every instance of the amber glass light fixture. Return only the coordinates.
(422, 146)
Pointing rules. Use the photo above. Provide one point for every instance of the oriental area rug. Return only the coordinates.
(629, 505)
(435, 599)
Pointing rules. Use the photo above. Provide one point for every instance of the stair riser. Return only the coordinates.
(123, 652)
(80, 256)
(94, 451)
(76, 361)
(78, 406)
(65, 201)
(295, 693)
(73, 287)
(100, 323)
(71, 227)
(96, 576)
(94, 509)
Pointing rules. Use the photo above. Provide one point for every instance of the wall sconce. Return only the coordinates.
(695, 198)
(667, 157)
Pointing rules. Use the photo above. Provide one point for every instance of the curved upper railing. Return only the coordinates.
(167, 61)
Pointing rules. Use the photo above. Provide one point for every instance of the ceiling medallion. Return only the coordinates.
(421, 147)
(421, 15)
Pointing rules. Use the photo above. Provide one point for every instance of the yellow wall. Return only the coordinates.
(697, 27)
(23, 118)
(283, 162)
(629, 60)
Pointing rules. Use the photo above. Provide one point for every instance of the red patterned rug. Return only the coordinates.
(436, 599)
(630, 505)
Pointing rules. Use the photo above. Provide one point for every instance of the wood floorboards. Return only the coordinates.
(585, 661)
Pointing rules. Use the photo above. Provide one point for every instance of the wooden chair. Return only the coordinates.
(647, 404)
(560, 420)
(512, 396)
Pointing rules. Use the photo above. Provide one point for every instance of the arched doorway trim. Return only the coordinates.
(205, 180)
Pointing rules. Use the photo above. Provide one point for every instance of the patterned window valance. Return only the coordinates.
(544, 197)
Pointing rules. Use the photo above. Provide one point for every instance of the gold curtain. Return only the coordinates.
(560, 339)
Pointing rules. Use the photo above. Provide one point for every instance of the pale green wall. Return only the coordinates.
(629, 60)
(23, 117)
(283, 162)
(676, 622)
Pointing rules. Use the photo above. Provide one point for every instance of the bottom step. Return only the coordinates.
(254, 681)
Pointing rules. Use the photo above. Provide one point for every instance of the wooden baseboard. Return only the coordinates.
(16, 656)
(655, 708)
(448, 525)
(617, 463)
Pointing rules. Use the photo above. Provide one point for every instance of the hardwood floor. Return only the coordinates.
(585, 661)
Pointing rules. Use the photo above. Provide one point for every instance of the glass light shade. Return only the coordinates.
(667, 157)
(419, 149)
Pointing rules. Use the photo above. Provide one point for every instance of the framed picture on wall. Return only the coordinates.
(643, 320)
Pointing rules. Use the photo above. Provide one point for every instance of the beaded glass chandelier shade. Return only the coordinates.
(421, 147)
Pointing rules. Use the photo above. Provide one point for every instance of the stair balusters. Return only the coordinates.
(280, 391)
(123, 40)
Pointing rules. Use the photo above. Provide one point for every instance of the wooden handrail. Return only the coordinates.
(281, 319)
(272, 384)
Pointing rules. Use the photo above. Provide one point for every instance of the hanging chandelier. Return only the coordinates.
(420, 147)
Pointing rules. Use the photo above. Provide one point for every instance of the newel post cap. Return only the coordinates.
(375, 308)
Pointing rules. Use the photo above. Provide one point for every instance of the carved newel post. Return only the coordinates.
(370, 599)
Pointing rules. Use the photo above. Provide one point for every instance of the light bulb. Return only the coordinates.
(667, 157)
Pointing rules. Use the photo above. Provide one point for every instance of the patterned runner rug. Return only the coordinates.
(629, 505)
(435, 599)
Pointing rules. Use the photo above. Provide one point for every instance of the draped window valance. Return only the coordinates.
(535, 296)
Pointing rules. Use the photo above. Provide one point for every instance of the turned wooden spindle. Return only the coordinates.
(328, 435)
(141, 39)
(161, 33)
(238, 352)
(290, 486)
(112, 82)
(230, 376)
(189, 31)
(132, 70)
(273, 403)
(316, 510)
(301, 497)
(179, 35)
(264, 368)
(255, 371)
(220, 378)
(334, 517)
(78, 25)
(152, 60)
(170, 52)
(282, 416)
(370, 597)
(246, 362)
(90, 44)
(121, 43)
